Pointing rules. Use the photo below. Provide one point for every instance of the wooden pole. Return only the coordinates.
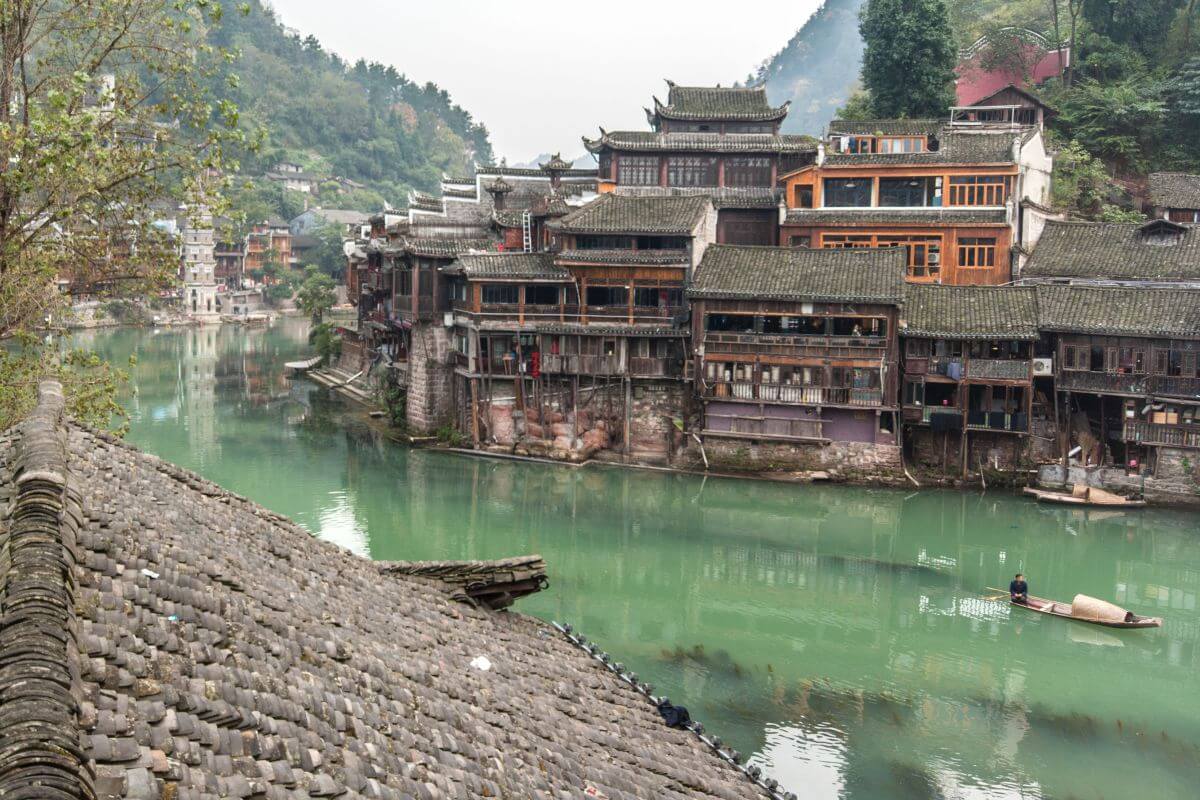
(475, 410)
(628, 410)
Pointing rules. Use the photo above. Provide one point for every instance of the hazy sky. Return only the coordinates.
(540, 74)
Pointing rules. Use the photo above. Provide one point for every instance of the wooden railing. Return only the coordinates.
(1176, 386)
(581, 365)
(797, 346)
(1170, 435)
(999, 369)
(1082, 381)
(794, 394)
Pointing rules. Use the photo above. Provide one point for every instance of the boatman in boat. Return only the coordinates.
(1018, 590)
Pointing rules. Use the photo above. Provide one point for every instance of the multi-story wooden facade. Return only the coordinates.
(797, 345)
(1175, 196)
(1127, 369)
(268, 242)
(968, 373)
(720, 142)
(949, 192)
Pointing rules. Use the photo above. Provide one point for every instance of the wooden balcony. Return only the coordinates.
(1103, 382)
(999, 369)
(1168, 386)
(845, 347)
(1168, 435)
(638, 367)
(793, 394)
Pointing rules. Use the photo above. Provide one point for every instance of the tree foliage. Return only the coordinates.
(908, 63)
(105, 112)
(317, 294)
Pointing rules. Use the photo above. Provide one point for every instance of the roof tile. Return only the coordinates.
(1175, 190)
(1116, 251)
(970, 312)
(612, 213)
(719, 103)
(801, 274)
(1119, 311)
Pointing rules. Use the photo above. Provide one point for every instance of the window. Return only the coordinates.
(729, 323)
(1183, 215)
(802, 197)
(607, 296)
(800, 241)
(749, 127)
(848, 192)
(747, 171)
(901, 144)
(637, 170)
(924, 253)
(903, 191)
(405, 286)
(458, 291)
(830, 240)
(979, 190)
(657, 297)
(603, 242)
(917, 348)
(691, 171)
(541, 295)
(500, 294)
(976, 253)
(914, 393)
(662, 242)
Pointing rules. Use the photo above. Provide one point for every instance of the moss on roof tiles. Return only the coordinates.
(612, 213)
(652, 141)
(719, 103)
(800, 274)
(953, 148)
(509, 266)
(1175, 190)
(1119, 311)
(1115, 251)
(970, 312)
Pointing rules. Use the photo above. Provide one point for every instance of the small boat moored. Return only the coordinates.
(1090, 609)
(1081, 495)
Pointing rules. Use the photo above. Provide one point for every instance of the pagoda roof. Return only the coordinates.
(653, 141)
(556, 164)
(740, 104)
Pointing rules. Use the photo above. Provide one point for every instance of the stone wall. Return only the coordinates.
(860, 461)
(1176, 481)
(430, 397)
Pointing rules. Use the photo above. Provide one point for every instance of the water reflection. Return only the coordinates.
(839, 634)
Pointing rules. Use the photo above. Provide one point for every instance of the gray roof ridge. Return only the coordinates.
(40, 741)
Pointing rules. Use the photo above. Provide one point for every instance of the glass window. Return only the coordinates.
(848, 192)
(747, 171)
(801, 241)
(976, 252)
(637, 170)
(802, 197)
(979, 190)
(500, 294)
(607, 296)
(541, 295)
(692, 171)
(903, 191)
(901, 144)
(603, 242)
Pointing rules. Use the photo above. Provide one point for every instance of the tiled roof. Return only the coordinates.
(1115, 251)
(166, 638)
(718, 103)
(886, 127)
(607, 256)
(461, 180)
(526, 172)
(499, 186)
(722, 197)
(953, 148)
(898, 216)
(651, 141)
(527, 266)
(800, 273)
(611, 213)
(340, 216)
(444, 248)
(1175, 190)
(468, 194)
(556, 163)
(970, 312)
(1119, 311)
(426, 203)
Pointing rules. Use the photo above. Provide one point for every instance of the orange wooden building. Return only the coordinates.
(950, 193)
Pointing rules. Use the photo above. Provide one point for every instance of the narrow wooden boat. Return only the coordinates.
(1090, 609)
(1084, 496)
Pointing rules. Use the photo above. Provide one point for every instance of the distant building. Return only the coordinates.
(1175, 196)
(1034, 61)
(293, 177)
(347, 221)
(269, 242)
(199, 264)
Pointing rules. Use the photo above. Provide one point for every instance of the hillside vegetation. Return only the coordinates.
(363, 121)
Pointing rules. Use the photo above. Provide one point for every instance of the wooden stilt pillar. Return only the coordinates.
(475, 410)
(628, 412)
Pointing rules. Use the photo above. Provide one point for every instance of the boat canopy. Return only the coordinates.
(1093, 608)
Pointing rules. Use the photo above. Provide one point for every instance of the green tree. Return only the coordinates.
(104, 111)
(316, 295)
(908, 64)
(324, 339)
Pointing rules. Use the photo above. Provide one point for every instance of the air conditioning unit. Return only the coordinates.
(448, 319)
(1043, 366)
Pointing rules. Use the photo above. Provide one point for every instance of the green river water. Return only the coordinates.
(839, 635)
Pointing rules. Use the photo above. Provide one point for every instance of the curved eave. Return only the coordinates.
(776, 114)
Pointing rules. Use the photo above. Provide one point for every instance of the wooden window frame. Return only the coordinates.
(978, 190)
(977, 252)
(638, 171)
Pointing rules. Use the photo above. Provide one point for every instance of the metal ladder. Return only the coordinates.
(526, 231)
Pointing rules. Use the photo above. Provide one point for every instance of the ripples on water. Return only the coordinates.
(838, 635)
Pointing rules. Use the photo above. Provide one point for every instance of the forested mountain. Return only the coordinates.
(363, 121)
(817, 69)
